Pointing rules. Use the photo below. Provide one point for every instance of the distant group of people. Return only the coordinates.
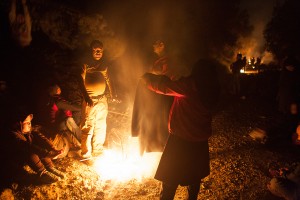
(241, 65)
(285, 182)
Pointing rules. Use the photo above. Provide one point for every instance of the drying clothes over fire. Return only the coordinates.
(150, 119)
(150, 110)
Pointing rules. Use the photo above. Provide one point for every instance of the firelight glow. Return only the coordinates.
(123, 166)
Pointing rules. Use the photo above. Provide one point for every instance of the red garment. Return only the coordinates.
(188, 118)
(160, 66)
(59, 104)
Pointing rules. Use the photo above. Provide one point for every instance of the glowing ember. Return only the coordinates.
(119, 165)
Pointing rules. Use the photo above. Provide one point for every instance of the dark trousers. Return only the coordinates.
(38, 163)
(168, 191)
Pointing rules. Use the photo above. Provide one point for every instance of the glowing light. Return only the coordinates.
(125, 165)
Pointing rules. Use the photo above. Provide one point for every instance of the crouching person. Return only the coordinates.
(60, 116)
(286, 183)
(34, 149)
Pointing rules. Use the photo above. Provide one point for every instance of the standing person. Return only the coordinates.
(185, 159)
(153, 135)
(289, 93)
(235, 69)
(33, 148)
(161, 65)
(98, 85)
(289, 85)
(20, 24)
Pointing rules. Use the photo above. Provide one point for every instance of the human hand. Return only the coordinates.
(145, 78)
(115, 100)
(54, 154)
(90, 102)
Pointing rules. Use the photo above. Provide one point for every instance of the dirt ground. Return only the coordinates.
(239, 164)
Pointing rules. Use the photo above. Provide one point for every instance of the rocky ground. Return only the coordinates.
(239, 164)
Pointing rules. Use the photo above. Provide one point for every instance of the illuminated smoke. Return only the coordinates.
(253, 45)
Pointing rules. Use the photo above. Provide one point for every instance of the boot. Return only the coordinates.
(47, 177)
(56, 172)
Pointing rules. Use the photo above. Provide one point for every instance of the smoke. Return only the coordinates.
(189, 28)
(260, 14)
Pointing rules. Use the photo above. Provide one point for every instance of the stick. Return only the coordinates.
(113, 112)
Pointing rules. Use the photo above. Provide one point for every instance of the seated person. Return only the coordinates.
(57, 116)
(34, 149)
(286, 183)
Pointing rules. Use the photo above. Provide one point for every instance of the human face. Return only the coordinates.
(58, 91)
(97, 53)
(26, 124)
(158, 48)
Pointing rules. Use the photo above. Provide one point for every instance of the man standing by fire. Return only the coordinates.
(235, 69)
(185, 159)
(153, 135)
(97, 84)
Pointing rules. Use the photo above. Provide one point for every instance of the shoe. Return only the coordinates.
(74, 154)
(87, 159)
(105, 145)
(47, 177)
(88, 162)
(56, 172)
(97, 153)
(86, 156)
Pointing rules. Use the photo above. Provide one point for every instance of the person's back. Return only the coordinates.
(190, 128)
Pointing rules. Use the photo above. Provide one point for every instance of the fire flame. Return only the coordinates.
(122, 166)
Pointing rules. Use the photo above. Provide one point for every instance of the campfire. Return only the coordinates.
(124, 165)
